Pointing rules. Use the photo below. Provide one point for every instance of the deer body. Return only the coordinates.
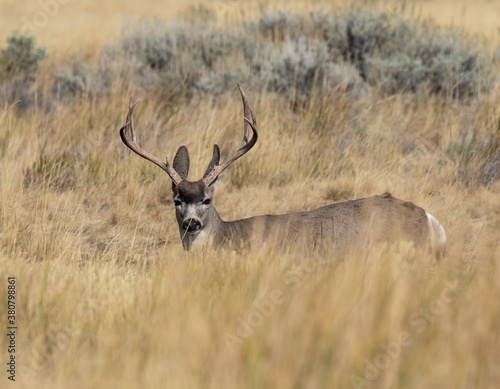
(332, 227)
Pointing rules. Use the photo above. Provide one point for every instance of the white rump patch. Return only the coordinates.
(437, 236)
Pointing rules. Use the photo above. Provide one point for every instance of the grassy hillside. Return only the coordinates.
(106, 296)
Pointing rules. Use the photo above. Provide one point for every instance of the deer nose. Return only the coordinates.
(191, 225)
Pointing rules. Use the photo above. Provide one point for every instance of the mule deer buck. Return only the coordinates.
(338, 226)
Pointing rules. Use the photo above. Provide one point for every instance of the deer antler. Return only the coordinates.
(245, 145)
(132, 145)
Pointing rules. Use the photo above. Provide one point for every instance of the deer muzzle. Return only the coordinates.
(191, 225)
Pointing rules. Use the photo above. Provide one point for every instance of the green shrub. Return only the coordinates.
(74, 79)
(176, 57)
(19, 65)
(389, 52)
(288, 53)
(21, 59)
(281, 26)
(438, 63)
(300, 69)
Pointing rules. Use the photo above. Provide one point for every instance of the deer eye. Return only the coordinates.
(206, 202)
(177, 203)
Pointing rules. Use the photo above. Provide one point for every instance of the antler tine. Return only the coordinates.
(247, 112)
(130, 117)
(246, 144)
(131, 143)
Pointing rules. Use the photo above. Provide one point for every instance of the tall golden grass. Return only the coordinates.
(107, 298)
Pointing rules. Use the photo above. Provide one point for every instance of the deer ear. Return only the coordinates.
(215, 160)
(181, 162)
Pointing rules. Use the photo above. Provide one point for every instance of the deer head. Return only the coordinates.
(194, 209)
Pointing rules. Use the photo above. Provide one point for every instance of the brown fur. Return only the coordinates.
(337, 226)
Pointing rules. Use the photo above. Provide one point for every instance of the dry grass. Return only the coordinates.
(106, 297)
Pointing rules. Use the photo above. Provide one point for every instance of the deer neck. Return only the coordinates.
(219, 233)
(234, 234)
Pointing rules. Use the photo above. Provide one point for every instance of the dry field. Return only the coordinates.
(107, 298)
